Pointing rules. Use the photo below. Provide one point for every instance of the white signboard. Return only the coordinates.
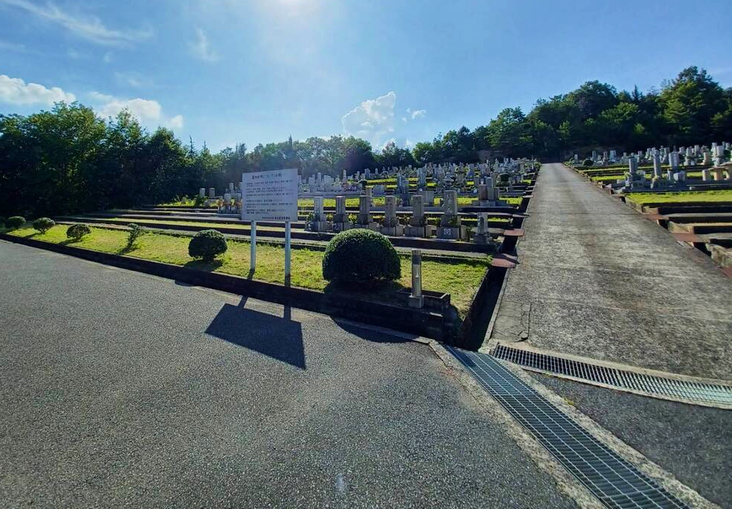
(269, 195)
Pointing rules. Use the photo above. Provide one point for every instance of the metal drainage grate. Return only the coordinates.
(614, 481)
(696, 392)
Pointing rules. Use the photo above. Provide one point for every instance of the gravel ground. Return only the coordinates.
(118, 388)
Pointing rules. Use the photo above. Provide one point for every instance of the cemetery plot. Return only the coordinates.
(457, 215)
(495, 227)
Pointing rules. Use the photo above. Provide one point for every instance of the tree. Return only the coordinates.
(690, 103)
(593, 98)
(69, 160)
(509, 134)
(392, 155)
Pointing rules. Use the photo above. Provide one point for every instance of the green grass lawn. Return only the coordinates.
(376, 201)
(203, 224)
(724, 195)
(460, 278)
(607, 179)
(379, 201)
(124, 221)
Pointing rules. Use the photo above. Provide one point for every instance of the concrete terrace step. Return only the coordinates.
(406, 242)
(706, 217)
(701, 228)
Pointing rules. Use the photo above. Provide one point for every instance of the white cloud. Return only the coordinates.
(88, 27)
(409, 144)
(147, 111)
(383, 145)
(17, 91)
(372, 120)
(418, 114)
(107, 58)
(144, 109)
(73, 54)
(133, 79)
(11, 46)
(176, 122)
(201, 48)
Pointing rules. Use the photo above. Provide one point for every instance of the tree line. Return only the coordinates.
(69, 160)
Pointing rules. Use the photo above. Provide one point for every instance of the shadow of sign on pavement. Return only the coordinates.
(273, 336)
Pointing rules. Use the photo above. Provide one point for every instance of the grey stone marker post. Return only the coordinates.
(416, 299)
(318, 209)
(657, 168)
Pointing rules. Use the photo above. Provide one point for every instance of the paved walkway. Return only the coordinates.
(595, 279)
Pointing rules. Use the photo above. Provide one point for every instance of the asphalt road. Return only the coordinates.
(596, 279)
(118, 388)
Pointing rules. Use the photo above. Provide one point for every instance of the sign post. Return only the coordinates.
(270, 196)
(253, 247)
(287, 254)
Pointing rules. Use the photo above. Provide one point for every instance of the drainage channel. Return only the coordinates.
(651, 385)
(614, 481)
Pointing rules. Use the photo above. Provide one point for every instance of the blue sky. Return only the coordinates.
(228, 71)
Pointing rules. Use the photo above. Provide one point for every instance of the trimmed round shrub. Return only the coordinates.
(14, 222)
(135, 233)
(588, 162)
(361, 256)
(77, 231)
(43, 224)
(207, 245)
(2, 221)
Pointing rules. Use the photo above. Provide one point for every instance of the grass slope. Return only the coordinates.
(460, 278)
(724, 195)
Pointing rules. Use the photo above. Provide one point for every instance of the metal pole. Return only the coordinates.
(253, 247)
(287, 253)
(416, 299)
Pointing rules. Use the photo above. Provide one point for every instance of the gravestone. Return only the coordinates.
(673, 159)
(418, 222)
(364, 219)
(657, 169)
(212, 192)
(391, 222)
(340, 218)
(689, 157)
(482, 236)
(633, 179)
(319, 223)
(202, 192)
(707, 157)
(718, 155)
(450, 224)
